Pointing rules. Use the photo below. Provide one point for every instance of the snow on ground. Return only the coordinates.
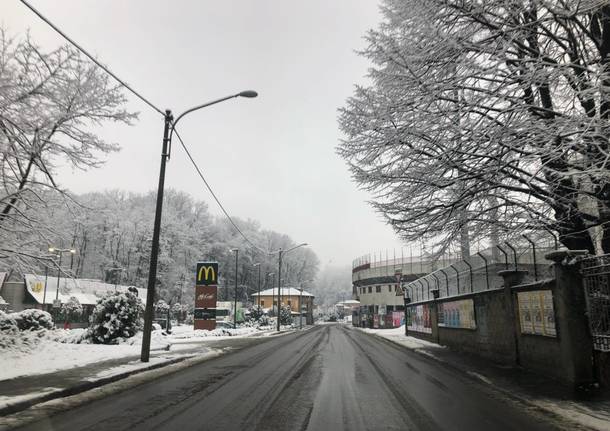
(45, 351)
(4, 400)
(577, 412)
(398, 335)
(154, 360)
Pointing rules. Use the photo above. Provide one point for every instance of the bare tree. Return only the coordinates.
(530, 147)
(50, 104)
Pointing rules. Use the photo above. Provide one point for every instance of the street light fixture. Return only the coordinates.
(60, 252)
(279, 278)
(46, 278)
(168, 132)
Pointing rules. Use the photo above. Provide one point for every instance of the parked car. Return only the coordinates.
(224, 325)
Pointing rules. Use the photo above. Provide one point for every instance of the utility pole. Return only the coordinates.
(272, 284)
(301, 308)
(279, 284)
(46, 277)
(259, 284)
(235, 296)
(154, 251)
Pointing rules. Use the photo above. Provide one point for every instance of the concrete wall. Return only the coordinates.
(566, 355)
(492, 338)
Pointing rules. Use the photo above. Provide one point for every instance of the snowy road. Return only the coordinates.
(327, 378)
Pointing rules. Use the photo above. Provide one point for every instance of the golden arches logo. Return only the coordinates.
(204, 274)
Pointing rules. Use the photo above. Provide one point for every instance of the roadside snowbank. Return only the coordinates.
(45, 351)
(398, 335)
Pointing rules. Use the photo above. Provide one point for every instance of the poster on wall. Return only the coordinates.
(418, 319)
(398, 318)
(457, 314)
(536, 313)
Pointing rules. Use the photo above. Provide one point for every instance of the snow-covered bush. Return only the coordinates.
(161, 308)
(72, 309)
(7, 323)
(285, 316)
(179, 311)
(256, 312)
(117, 315)
(32, 319)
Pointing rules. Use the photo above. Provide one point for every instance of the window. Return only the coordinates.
(370, 289)
(262, 303)
(389, 287)
(378, 289)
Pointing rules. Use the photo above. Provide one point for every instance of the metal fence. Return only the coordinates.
(596, 279)
(480, 271)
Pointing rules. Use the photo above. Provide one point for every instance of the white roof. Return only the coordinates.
(85, 290)
(285, 291)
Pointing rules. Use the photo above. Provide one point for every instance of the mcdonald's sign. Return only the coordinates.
(207, 274)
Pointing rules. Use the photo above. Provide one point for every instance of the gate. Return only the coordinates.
(596, 279)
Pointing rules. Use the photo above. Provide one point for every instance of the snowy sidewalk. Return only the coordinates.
(47, 365)
(517, 383)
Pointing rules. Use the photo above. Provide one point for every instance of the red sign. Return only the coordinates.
(208, 325)
(205, 296)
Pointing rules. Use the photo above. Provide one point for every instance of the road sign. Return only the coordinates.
(57, 303)
(207, 274)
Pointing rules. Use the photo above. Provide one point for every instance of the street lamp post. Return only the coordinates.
(259, 283)
(235, 296)
(46, 277)
(116, 282)
(269, 274)
(279, 279)
(60, 252)
(168, 131)
(301, 308)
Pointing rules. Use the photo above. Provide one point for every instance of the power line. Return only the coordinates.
(81, 49)
(142, 98)
(214, 195)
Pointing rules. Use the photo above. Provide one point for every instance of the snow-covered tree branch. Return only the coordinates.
(490, 114)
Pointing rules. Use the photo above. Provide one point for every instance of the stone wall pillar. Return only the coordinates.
(572, 325)
(512, 277)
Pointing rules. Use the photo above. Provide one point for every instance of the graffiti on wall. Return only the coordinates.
(418, 318)
(457, 314)
(536, 313)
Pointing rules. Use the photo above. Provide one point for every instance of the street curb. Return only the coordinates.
(19, 406)
(466, 374)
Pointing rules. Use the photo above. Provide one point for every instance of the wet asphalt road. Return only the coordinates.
(327, 378)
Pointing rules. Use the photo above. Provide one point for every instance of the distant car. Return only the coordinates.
(224, 325)
(160, 322)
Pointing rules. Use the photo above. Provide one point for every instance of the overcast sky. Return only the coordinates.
(272, 158)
